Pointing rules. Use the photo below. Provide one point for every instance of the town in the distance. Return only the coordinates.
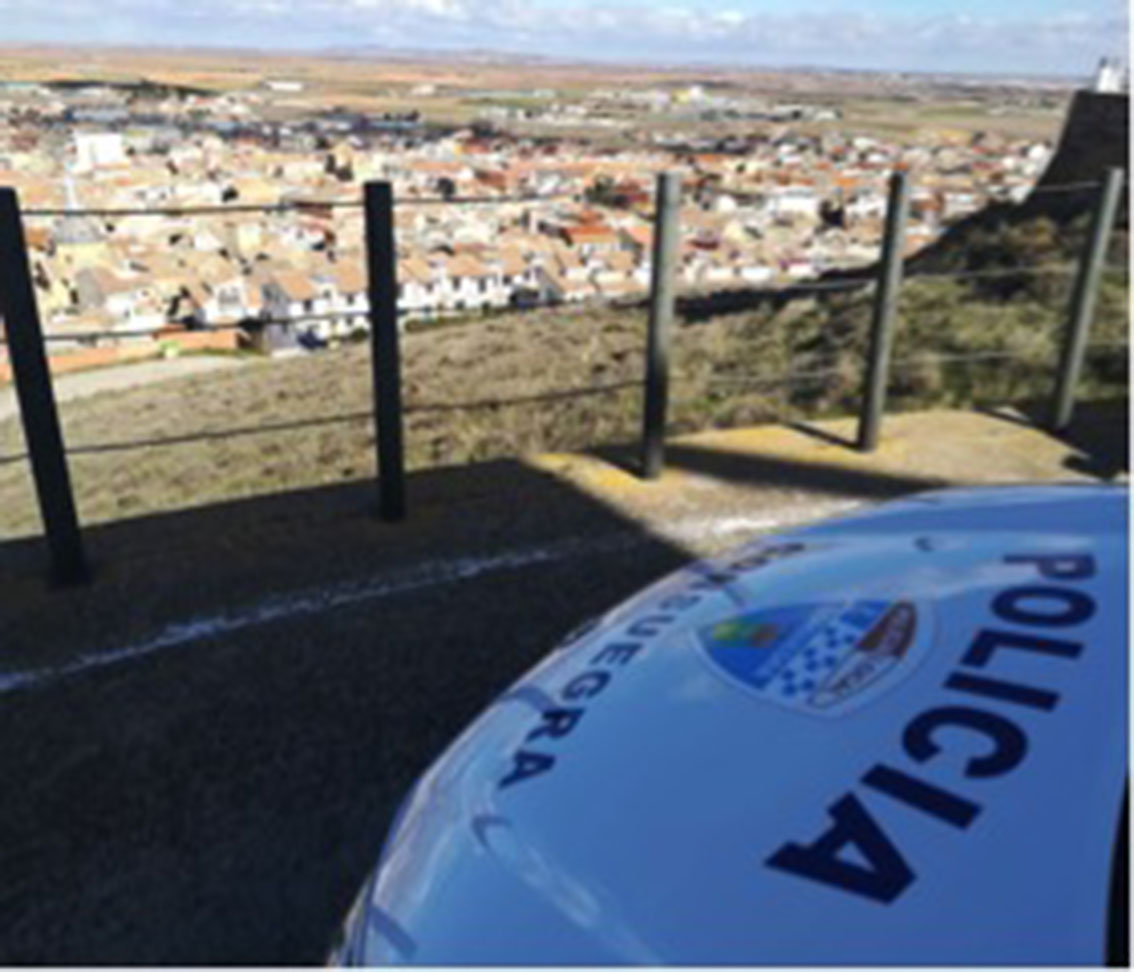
(549, 171)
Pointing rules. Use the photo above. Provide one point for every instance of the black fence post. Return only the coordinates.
(1081, 311)
(663, 283)
(37, 399)
(382, 286)
(888, 288)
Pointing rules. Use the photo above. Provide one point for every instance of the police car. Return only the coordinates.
(899, 737)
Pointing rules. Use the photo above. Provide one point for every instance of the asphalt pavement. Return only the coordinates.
(204, 746)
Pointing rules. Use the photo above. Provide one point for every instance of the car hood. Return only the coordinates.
(896, 737)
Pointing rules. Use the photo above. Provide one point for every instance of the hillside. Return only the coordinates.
(501, 387)
(568, 379)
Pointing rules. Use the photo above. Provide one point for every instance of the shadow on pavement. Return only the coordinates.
(221, 800)
(1099, 432)
(823, 435)
(812, 477)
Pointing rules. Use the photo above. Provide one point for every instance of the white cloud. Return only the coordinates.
(1068, 42)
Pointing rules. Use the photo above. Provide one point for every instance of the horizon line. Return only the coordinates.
(534, 59)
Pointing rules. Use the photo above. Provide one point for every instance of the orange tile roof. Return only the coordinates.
(465, 265)
(38, 237)
(591, 233)
(640, 234)
(349, 277)
(415, 269)
(295, 285)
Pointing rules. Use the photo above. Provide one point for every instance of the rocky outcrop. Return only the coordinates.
(1095, 137)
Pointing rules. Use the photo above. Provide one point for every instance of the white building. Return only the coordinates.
(97, 150)
(792, 201)
(288, 294)
(225, 299)
(1109, 77)
(283, 85)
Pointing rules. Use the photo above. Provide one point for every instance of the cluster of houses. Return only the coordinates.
(785, 207)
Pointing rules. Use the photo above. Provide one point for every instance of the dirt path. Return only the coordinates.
(82, 384)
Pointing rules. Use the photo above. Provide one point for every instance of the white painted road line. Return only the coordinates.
(391, 583)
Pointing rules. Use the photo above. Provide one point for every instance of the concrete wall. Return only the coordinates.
(107, 354)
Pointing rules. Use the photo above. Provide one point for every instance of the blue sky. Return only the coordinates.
(1006, 36)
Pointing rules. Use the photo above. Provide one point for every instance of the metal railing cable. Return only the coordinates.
(916, 360)
(993, 272)
(300, 205)
(762, 381)
(294, 206)
(107, 212)
(463, 315)
(1039, 190)
(951, 358)
(740, 383)
(170, 330)
(451, 315)
(565, 394)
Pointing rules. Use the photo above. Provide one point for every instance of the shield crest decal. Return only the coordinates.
(825, 658)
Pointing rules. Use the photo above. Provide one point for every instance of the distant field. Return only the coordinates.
(902, 118)
(871, 104)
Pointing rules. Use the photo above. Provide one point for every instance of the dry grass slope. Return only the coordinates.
(547, 380)
(472, 392)
(569, 379)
